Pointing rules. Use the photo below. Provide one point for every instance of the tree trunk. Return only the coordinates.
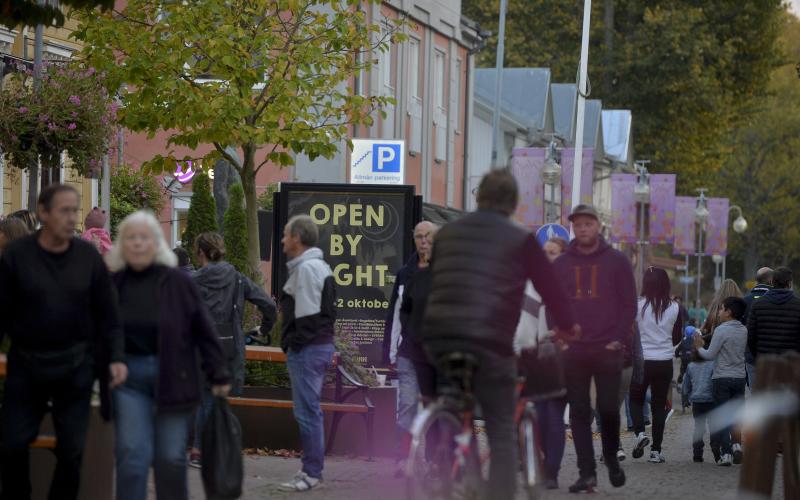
(608, 27)
(251, 209)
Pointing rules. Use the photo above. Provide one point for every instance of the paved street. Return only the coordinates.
(354, 478)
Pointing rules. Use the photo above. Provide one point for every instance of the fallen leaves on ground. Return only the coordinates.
(266, 452)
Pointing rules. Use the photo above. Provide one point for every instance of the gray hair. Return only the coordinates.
(164, 254)
(304, 227)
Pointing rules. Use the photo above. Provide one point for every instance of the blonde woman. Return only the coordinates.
(729, 288)
(165, 324)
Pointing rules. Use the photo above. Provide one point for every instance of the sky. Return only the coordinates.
(795, 7)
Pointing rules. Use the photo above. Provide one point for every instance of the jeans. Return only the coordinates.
(606, 368)
(200, 417)
(725, 390)
(25, 403)
(657, 377)
(700, 413)
(148, 437)
(407, 402)
(550, 414)
(307, 373)
(495, 389)
(750, 369)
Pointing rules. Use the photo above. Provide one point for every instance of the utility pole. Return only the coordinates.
(33, 168)
(583, 93)
(498, 86)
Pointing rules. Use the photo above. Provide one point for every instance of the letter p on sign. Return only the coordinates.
(386, 158)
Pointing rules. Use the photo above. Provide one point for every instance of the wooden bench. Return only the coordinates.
(344, 388)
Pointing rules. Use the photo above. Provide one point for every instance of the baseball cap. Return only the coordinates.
(584, 210)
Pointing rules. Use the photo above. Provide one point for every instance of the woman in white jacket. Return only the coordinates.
(660, 328)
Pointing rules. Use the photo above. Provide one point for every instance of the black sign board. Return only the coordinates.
(366, 236)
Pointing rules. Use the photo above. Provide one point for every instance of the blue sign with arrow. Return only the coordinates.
(550, 231)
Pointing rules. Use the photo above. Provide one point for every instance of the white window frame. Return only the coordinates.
(178, 199)
(458, 98)
(440, 104)
(414, 107)
(388, 87)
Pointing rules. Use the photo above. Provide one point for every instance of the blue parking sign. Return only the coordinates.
(550, 231)
(386, 158)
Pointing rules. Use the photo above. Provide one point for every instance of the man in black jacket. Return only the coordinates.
(480, 265)
(773, 325)
(395, 347)
(600, 282)
(58, 307)
(764, 278)
(309, 312)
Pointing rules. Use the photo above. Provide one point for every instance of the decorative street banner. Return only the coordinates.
(662, 208)
(365, 233)
(717, 227)
(684, 243)
(623, 208)
(587, 180)
(526, 165)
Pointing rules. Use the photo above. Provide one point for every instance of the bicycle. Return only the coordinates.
(444, 460)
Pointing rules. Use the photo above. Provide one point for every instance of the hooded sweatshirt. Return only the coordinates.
(224, 291)
(602, 291)
(308, 302)
(774, 323)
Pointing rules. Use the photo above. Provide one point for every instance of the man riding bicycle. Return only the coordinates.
(480, 265)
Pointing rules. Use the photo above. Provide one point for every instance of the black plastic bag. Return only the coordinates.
(543, 368)
(223, 466)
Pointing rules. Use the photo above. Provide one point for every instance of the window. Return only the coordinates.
(440, 106)
(414, 99)
(360, 86)
(457, 96)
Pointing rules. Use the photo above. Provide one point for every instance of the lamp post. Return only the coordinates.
(641, 193)
(701, 217)
(551, 177)
(739, 226)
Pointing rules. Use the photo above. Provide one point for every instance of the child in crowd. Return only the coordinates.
(94, 230)
(727, 348)
(684, 350)
(698, 391)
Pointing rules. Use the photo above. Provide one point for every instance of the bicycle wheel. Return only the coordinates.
(530, 453)
(443, 462)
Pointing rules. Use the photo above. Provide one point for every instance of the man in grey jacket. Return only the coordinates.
(728, 345)
(309, 312)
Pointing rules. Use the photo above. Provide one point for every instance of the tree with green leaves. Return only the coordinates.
(202, 213)
(235, 228)
(688, 70)
(266, 77)
(131, 191)
(761, 174)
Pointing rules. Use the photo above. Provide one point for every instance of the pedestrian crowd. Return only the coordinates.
(158, 334)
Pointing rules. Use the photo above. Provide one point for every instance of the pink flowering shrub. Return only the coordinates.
(71, 112)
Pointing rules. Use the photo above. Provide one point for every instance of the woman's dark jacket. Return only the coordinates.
(185, 328)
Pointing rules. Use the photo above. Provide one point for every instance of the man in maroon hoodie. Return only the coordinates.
(600, 283)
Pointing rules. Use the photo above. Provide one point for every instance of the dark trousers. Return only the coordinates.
(494, 388)
(725, 390)
(25, 403)
(606, 368)
(700, 413)
(657, 377)
(550, 415)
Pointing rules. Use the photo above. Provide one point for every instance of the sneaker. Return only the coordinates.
(697, 460)
(656, 457)
(301, 482)
(717, 455)
(737, 454)
(669, 415)
(615, 474)
(551, 484)
(194, 461)
(726, 460)
(587, 484)
(638, 447)
(621, 456)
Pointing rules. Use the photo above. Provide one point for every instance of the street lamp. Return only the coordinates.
(641, 193)
(551, 177)
(701, 217)
(739, 226)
